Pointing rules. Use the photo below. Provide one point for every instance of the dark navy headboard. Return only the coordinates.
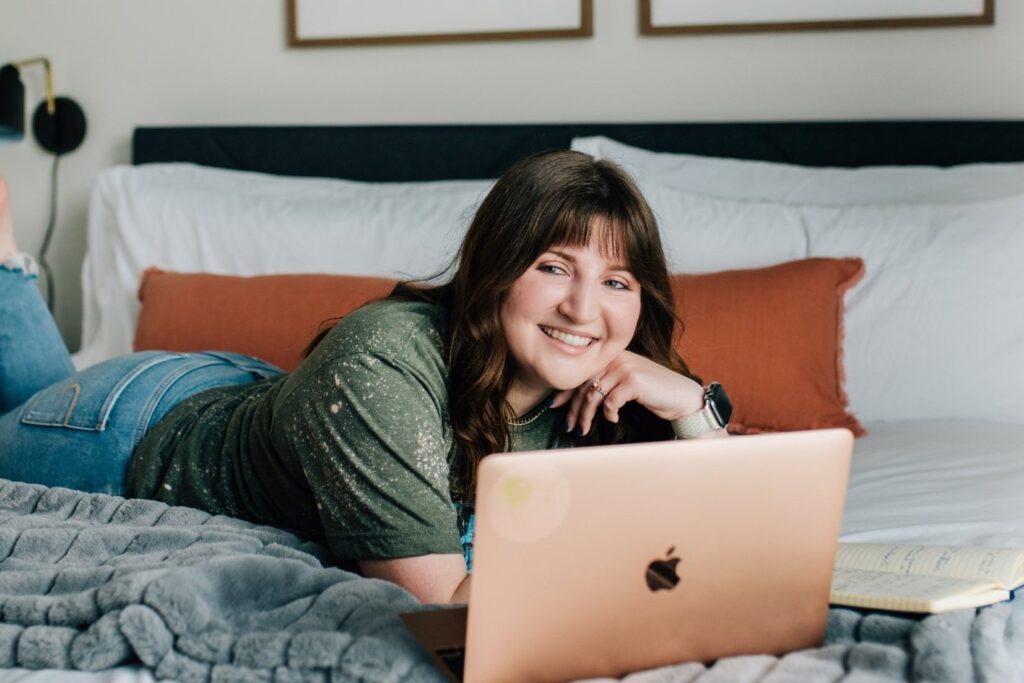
(436, 152)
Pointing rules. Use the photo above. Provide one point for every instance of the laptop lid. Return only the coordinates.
(601, 561)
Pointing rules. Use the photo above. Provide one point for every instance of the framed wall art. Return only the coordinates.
(661, 17)
(314, 23)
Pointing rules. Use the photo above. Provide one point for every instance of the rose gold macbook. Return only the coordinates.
(594, 562)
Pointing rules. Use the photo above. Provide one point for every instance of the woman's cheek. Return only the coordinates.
(629, 318)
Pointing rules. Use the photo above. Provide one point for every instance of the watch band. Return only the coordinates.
(695, 424)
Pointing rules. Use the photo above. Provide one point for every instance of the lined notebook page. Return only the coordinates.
(915, 593)
(1004, 566)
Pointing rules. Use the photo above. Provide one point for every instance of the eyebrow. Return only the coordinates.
(570, 257)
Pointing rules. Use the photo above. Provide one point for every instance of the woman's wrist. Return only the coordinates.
(711, 419)
(692, 401)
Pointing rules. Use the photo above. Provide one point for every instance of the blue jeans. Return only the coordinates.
(78, 430)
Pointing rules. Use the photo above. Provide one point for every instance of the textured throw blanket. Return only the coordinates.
(93, 581)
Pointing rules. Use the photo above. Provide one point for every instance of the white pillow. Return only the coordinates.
(190, 218)
(705, 234)
(787, 183)
(934, 330)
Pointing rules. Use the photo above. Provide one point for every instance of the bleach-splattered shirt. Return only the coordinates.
(354, 447)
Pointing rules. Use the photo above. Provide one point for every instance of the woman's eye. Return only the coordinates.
(549, 268)
(617, 284)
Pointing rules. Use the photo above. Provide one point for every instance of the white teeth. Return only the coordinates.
(570, 339)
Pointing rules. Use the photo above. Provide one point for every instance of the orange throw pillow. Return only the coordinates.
(773, 337)
(272, 317)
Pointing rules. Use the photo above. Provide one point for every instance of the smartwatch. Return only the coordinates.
(714, 415)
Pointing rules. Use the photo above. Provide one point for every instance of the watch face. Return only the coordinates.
(719, 402)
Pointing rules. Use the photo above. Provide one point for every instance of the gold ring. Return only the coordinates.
(596, 386)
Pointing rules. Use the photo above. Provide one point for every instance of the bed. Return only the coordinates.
(930, 362)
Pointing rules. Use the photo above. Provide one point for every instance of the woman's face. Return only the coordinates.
(568, 316)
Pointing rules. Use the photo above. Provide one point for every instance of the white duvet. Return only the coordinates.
(937, 482)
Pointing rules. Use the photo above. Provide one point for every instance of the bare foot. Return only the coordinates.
(8, 247)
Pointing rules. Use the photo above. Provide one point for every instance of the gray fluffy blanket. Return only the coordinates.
(93, 581)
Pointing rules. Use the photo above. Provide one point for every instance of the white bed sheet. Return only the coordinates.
(937, 482)
(922, 481)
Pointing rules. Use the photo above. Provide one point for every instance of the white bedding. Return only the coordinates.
(937, 482)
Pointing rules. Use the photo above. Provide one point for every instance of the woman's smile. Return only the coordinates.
(576, 343)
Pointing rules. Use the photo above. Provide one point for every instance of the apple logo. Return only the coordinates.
(661, 574)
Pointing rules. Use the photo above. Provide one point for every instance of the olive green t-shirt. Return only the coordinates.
(354, 447)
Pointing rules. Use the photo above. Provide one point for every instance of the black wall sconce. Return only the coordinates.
(58, 122)
(59, 127)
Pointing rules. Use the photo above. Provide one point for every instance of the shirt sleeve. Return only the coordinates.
(369, 431)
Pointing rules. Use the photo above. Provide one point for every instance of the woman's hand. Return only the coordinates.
(631, 377)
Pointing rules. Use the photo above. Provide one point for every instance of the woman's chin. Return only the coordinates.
(563, 382)
(562, 376)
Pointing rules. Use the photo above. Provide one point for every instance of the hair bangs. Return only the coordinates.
(618, 238)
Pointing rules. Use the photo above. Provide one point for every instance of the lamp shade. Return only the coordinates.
(12, 105)
(63, 130)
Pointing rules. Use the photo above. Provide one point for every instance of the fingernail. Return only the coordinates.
(568, 427)
(579, 432)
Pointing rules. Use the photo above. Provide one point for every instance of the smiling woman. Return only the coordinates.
(567, 243)
(585, 311)
(555, 330)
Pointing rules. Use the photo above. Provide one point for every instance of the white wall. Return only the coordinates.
(154, 62)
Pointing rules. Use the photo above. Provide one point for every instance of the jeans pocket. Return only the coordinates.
(86, 400)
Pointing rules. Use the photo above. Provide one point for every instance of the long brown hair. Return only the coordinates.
(547, 199)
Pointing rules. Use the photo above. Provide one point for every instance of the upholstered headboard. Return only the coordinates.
(435, 152)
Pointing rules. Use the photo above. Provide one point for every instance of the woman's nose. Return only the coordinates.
(579, 304)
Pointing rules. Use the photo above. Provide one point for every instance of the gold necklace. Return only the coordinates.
(523, 421)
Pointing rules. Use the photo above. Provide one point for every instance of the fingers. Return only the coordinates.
(617, 388)
(589, 406)
(588, 399)
(623, 393)
(629, 377)
(579, 395)
(610, 404)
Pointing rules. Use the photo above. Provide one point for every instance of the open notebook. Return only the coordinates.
(920, 578)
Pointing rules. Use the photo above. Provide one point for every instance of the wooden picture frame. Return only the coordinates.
(672, 17)
(316, 23)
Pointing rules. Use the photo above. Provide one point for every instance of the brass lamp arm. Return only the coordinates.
(50, 105)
